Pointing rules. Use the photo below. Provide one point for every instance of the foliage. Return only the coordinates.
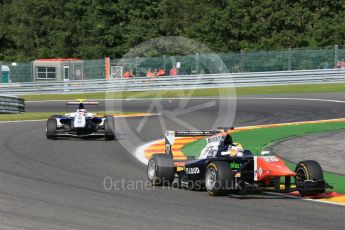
(91, 29)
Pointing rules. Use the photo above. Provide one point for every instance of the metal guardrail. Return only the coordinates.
(9, 104)
(179, 82)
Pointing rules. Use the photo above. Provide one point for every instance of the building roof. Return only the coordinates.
(57, 59)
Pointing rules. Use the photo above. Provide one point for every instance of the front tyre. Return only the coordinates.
(51, 128)
(109, 128)
(218, 178)
(308, 171)
(160, 169)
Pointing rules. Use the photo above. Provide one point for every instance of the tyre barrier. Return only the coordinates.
(11, 105)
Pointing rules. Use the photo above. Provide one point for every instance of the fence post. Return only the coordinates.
(137, 63)
(14, 70)
(164, 62)
(241, 66)
(221, 65)
(0, 71)
(336, 55)
(197, 63)
(289, 58)
(107, 68)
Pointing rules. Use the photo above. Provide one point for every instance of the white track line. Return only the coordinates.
(21, 121)
(293, 98)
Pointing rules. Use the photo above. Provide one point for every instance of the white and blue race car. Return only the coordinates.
(81, 124)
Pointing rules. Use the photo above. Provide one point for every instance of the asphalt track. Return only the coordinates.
(327, 148)
(60, 184)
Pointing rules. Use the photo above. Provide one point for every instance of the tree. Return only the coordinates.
(92, 29)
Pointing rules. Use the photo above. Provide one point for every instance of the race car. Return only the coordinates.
(225, 167)
(81, 123)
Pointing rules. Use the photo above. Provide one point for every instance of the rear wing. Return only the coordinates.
(226, 129)
(84, 102)
(81, 102)
(196, 133)
(171, 135)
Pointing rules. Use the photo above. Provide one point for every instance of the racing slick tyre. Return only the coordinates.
(218, 178)
(160, 169)
(109, 128)
(308, 170)
(51, 128)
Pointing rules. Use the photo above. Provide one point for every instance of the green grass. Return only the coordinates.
(194, 148)
(41, 115)
(256, 139)
(278, 89)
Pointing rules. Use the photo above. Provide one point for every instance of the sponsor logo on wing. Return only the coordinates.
(194, 170)
(270, 159)
(215, 139)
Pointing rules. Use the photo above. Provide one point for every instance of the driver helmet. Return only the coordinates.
(236, 150)
(81, 108)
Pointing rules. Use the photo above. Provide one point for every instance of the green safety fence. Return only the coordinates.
(94, 69)
(19, 72)
(205, 63)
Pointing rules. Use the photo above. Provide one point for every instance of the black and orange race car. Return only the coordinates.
(225, 167)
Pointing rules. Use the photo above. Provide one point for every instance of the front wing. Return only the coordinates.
(61, 133)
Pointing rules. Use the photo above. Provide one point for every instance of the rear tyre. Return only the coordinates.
(109, 128)
(51, 128)
(218, 178)
(160, 170)
(308, 170)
